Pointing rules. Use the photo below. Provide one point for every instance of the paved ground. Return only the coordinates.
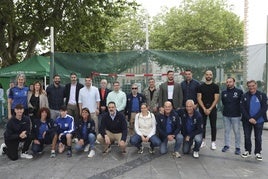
(211, 164)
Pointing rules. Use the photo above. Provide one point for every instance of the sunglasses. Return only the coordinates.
(134, 88)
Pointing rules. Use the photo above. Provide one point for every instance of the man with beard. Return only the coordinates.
(208, 97)
(170, 91)
(55, 96)
(189, 87)
(151, 94)
(71, 94)
(113, 128)
(231, 114)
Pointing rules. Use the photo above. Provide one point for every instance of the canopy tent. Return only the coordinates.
(35, 67)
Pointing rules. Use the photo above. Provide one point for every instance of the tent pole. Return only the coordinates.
(52, 67)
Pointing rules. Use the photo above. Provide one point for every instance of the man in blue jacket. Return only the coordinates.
(192, 128)
(231, 98)
(168, 127)
(253, 108)
(134, 101)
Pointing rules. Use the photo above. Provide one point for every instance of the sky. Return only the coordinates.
(257, 15)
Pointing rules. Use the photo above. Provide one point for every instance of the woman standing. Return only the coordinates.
(36, 100)
(145, 127)
(18, 95)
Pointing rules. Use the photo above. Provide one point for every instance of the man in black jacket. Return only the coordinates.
(113, 128)
(17, 134)
(71, 93)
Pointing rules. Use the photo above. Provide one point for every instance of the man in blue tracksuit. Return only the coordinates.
(253, 108)
(192, 128)
(65, 125)
(168, 128)
(231, 98)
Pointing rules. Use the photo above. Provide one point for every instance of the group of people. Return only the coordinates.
(173, 112)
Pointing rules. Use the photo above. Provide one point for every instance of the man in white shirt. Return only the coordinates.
(89, 97)
(117, 96)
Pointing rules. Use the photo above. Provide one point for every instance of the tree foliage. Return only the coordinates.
(80, 25)
(204, 26)
(197, 25)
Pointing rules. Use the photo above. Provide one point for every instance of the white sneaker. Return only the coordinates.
(86, 149)
(2, 148)
(91, 154)
(196, 154)
(213, 145)
(203, 144)
(26, 156)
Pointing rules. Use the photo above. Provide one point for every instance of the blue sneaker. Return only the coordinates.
(225, 148)
(237, 151)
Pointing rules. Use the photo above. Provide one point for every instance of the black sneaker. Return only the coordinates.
(246, 154)
(151, 150)
(69, 153)
(107, 150)
(237, 151)
(225, 148)
(140, 150)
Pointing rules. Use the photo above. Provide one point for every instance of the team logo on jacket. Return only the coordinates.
(88, 125)
(173, 118)
(194, 120)
(225, 95)
(66, 125)
(235, 95)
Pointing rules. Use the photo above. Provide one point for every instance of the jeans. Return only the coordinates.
(164, 147)
(136, 141)
(231, 122)
(257, 133)
(187, 144)
(91, 141)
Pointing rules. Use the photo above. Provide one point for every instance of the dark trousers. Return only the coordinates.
(213, 123)
(13, 145)
(257, 133)
(47, 140)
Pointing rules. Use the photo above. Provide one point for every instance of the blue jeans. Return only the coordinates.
(136, 141)
(164, 147)
(187, 144)
(91, 141)
(231, 122)
(257, 133)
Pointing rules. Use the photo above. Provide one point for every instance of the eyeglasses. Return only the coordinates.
(134, 88)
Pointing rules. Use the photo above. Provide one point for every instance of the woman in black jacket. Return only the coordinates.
(44, 132)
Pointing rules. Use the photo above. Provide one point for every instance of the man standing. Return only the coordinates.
(192, 128)
(168, 127)
(189, 87)
(118, 97)
(89, 97)
(151, 94)
(71, 94)
(113, 128)
(253, 108)
(134, 101)
(208, 97)
(231, 98)
(55, 96)
(170, 91)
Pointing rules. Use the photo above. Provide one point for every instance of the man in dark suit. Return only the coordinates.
(71, 94)
(170, 91)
